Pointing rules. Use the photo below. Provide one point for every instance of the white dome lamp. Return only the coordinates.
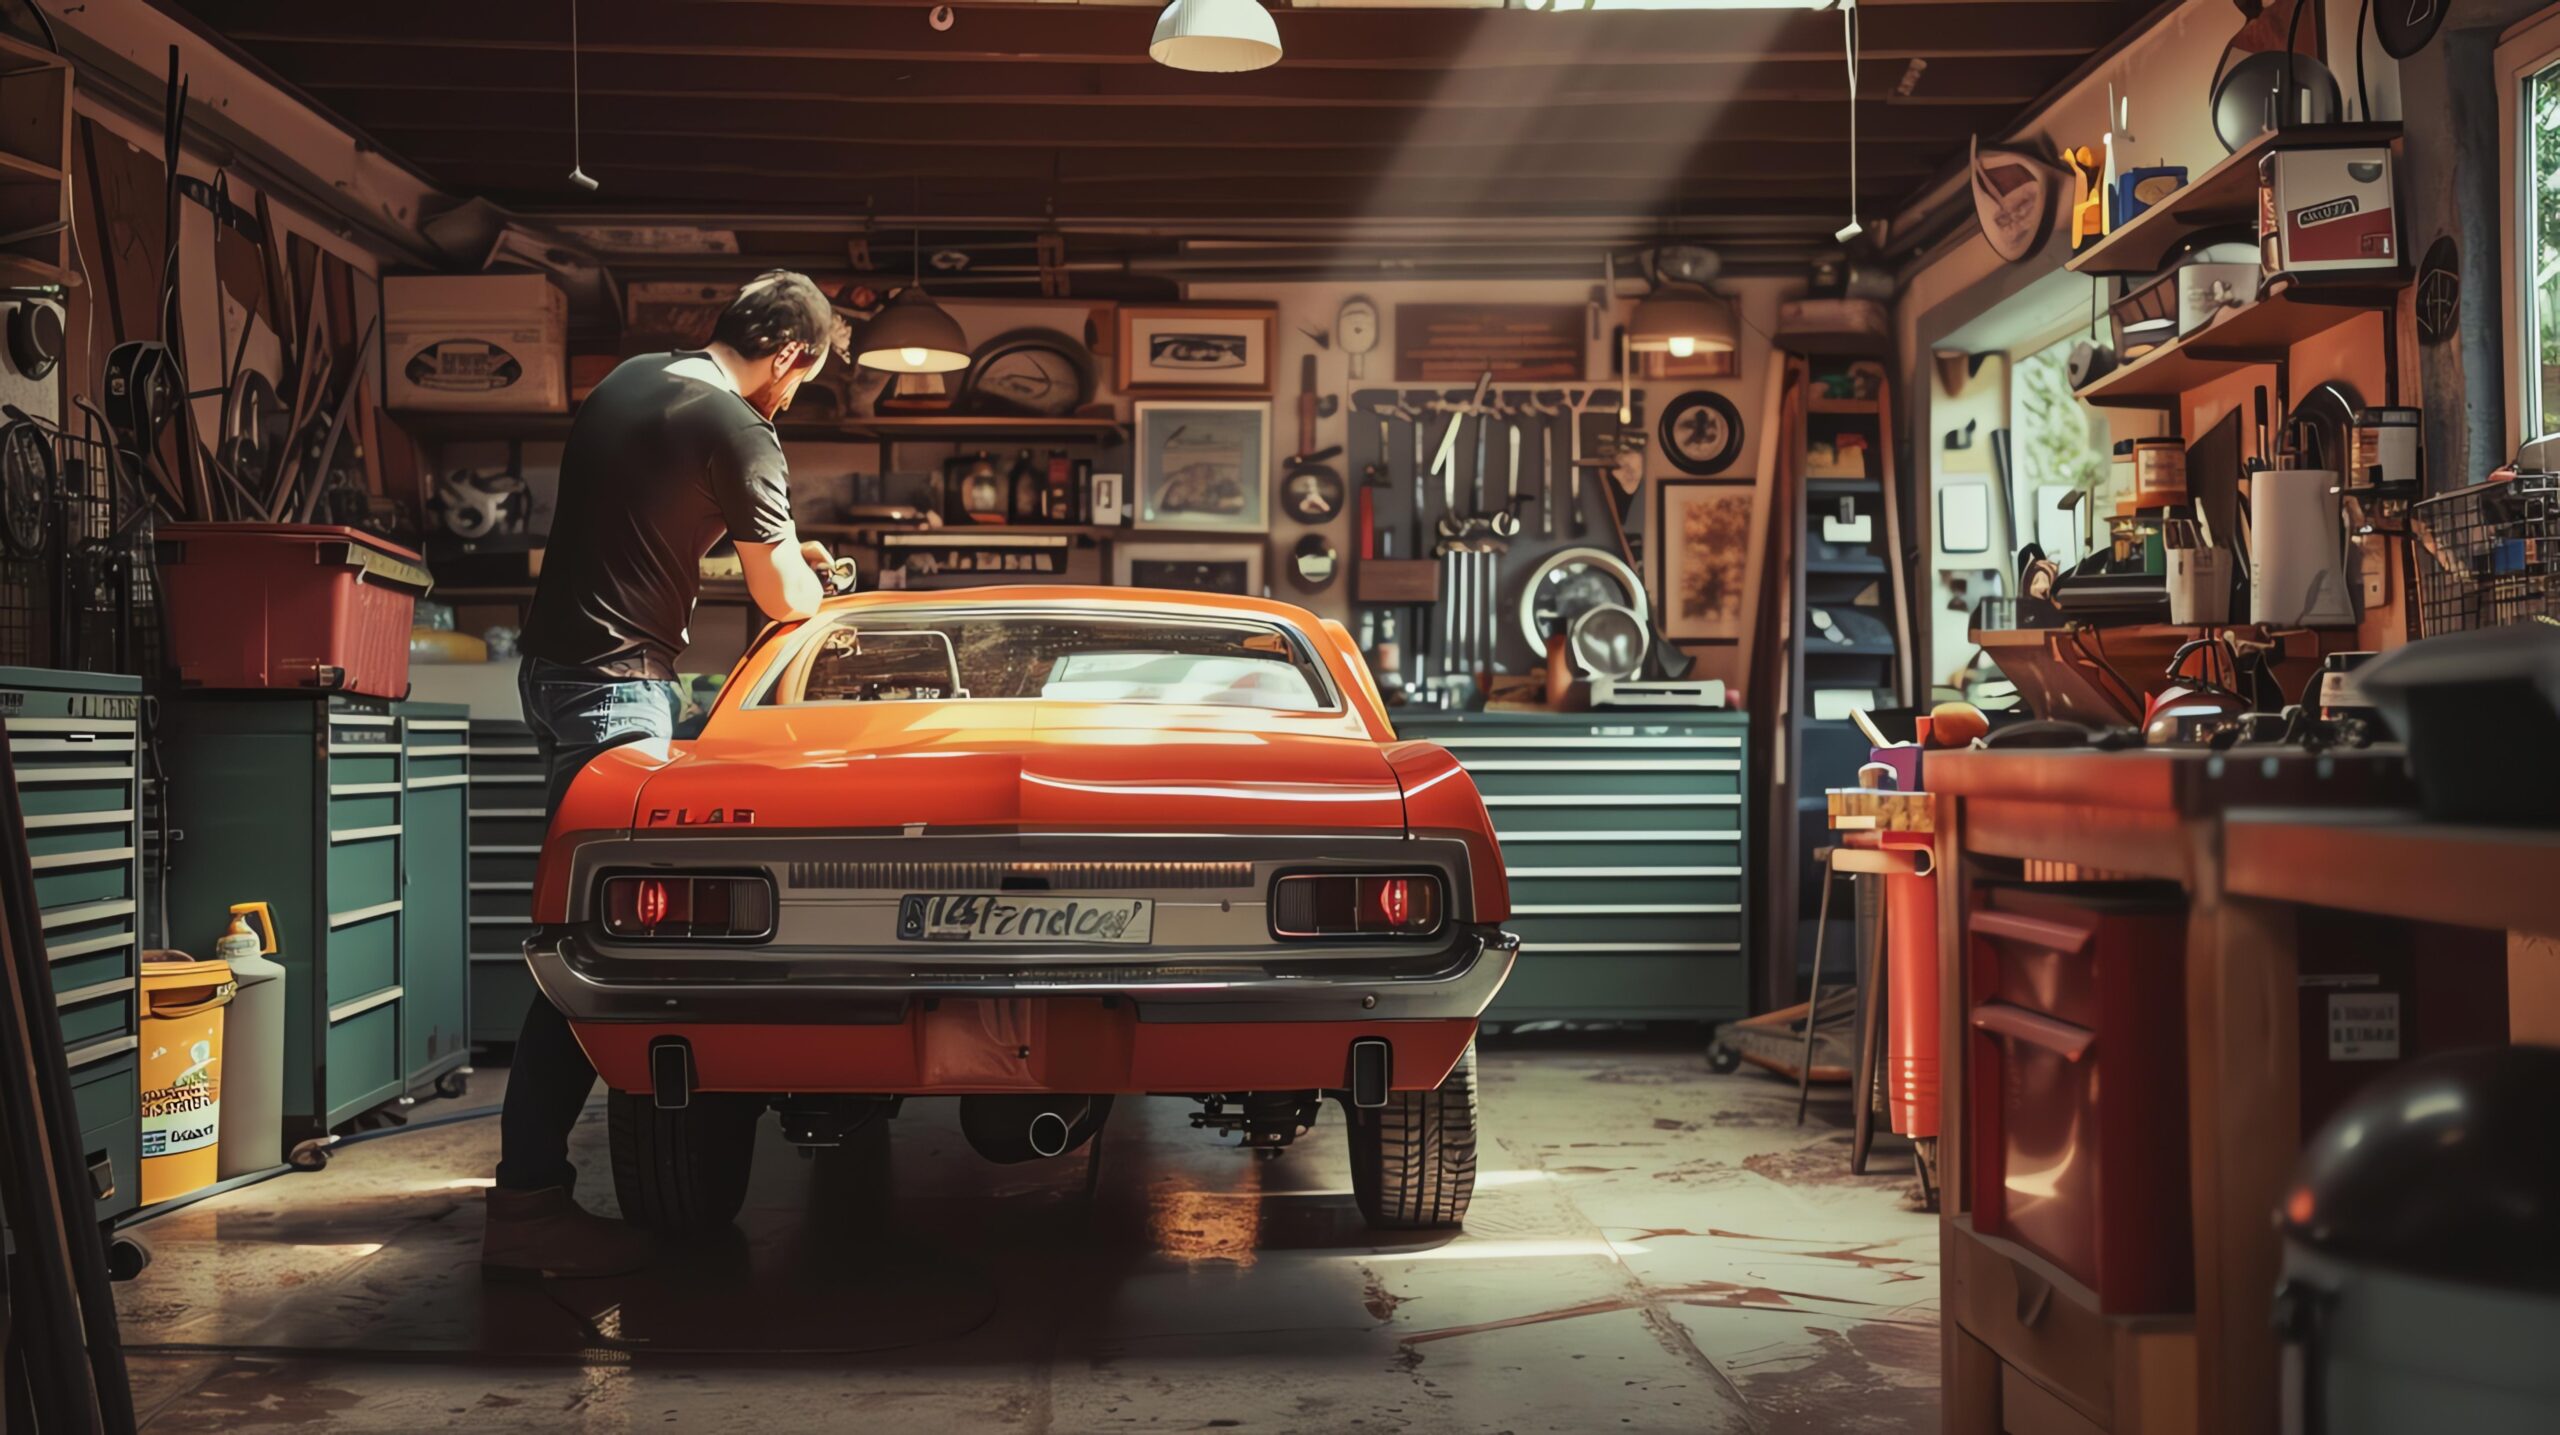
(1215, 36)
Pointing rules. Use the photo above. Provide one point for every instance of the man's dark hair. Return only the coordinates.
(780, 307)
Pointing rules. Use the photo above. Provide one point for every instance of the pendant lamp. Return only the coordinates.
(1215, 36)
(913, 335)
(1681, 320)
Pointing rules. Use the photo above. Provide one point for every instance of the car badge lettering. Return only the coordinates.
(713, 817)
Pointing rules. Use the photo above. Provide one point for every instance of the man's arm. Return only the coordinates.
(783, 576)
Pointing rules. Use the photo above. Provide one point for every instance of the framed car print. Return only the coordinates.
(1196, 348)
(1703, 546)
(1203, 466)
(1701, 433)
(1197, 567)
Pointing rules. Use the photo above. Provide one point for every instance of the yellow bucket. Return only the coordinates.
(182, 1006)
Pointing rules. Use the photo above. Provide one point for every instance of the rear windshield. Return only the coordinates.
(895, 655)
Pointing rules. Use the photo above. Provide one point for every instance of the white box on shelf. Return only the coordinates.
(475, 343)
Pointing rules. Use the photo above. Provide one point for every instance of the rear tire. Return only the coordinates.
(1413, 1160)
(683, 1171)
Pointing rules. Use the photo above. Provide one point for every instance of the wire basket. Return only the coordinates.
(2489, 554)
(87, 599)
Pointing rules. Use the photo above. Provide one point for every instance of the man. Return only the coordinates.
(671, 452)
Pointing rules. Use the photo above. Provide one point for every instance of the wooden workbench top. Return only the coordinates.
(2182, 780)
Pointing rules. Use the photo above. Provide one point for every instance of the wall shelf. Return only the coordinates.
(2225, 194)
(436, 426)
(2263, 332)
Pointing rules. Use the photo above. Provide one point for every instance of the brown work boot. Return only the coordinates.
(547, 1233)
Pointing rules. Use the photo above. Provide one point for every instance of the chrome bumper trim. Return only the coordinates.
(588, 986)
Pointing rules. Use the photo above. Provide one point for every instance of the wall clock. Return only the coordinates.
(1701, 433)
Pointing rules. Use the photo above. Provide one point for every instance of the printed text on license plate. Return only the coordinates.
(1025, 917)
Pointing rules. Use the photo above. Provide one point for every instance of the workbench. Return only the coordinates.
(2266, 851)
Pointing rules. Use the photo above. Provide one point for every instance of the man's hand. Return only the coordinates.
(820, 561)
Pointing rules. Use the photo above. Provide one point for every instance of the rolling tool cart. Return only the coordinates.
(1624, 842)
(73, 738)
(307, 804)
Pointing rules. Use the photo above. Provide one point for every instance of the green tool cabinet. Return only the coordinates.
(507, 823)
(75, 740)
(435, 940)
(341, 815)
(1623, 835)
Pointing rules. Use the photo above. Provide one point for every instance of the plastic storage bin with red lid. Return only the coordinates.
(306, 607)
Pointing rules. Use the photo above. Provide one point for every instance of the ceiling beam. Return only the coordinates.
(1432, 40)
(341, 76)
(640, 157)
(532, 117)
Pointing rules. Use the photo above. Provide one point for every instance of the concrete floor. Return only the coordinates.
(1652, 1247)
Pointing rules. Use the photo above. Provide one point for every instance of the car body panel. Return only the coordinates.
(838, 803)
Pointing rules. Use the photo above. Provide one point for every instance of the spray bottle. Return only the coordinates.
(253, 1046)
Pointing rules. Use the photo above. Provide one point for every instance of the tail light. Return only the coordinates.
(1356, 904)
(672, 905)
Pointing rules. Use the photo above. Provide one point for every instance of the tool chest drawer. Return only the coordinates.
(507, 826)
(2078, 1110)
(106, 1092)
(1622, 839)
(75, 742)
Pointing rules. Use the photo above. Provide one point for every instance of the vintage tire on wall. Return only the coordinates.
(684, 1170)
(1413, 1160)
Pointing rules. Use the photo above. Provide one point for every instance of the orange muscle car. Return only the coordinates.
(1032, 848)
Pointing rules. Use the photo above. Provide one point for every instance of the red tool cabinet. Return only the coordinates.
(2078, 1092)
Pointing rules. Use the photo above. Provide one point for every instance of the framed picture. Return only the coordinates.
(1196, 348)
(1203, 466)
(1702, 532)
(1196, 567)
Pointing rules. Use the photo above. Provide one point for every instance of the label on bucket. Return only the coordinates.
(187, 1113)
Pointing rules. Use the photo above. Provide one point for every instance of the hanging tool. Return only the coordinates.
(1545, 406)
(1507, 522)
(1445, 463)
(1375, 475)
(1306, 406)
(1484, 447)
(1421, 460)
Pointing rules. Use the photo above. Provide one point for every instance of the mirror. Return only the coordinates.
(1314, 562)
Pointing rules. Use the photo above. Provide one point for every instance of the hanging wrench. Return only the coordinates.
(1414, 419)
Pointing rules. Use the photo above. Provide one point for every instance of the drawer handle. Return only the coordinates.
(2034, 1295)
(102, 1175)
(2019, 1024)
(2056, 936)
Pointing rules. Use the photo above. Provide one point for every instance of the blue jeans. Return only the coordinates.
(574, 714)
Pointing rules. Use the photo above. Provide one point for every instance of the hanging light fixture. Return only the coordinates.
(1215, 36)
(912, 334)
(1680, 317)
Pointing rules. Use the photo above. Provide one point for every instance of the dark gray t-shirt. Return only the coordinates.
(660, 464)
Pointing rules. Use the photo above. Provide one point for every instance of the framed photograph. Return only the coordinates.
(1196, 348)
(1196, 567)
(1203, 467)
(1702, 532)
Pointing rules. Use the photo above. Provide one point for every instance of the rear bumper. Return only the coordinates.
(967, 1046)
(589, 986)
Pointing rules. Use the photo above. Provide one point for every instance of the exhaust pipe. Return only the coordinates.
(1048, 1134)
(1034, 1126)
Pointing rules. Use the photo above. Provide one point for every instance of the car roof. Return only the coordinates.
(1131, 600)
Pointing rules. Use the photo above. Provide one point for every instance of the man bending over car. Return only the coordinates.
(671, 452)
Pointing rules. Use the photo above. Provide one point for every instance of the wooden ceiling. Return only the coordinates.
(1723, 123)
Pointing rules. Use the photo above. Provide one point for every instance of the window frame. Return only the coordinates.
(1305, 652)
(2526, 48)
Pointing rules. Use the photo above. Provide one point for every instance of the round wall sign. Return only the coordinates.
(1701, 433)
(2440, 291)
(2405, 26)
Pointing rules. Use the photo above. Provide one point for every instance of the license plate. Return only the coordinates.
(1025, 917)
